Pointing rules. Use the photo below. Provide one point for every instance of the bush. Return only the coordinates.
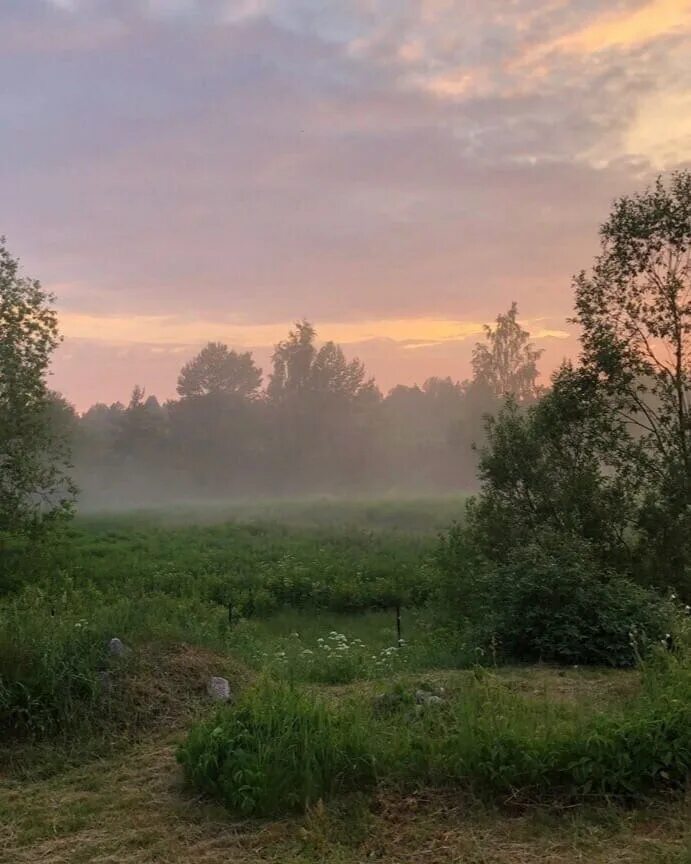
(279, 749)
(551, 600)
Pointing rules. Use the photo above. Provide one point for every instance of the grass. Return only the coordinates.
(223, 586)
(134, 807)
(88, 773)
(281, 747)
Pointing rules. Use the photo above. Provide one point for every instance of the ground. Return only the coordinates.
(134, 808)
(131, 805)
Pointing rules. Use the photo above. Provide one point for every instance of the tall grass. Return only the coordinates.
(281, 747)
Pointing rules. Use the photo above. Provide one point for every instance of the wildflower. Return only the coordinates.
(295, 635)
(306, 652)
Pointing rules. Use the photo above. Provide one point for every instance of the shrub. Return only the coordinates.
(552, 600)
(279, 749)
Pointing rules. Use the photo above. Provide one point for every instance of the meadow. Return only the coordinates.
(342, 742)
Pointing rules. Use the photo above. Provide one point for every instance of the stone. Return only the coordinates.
(218, 689)
(117, 647)
(424, 697)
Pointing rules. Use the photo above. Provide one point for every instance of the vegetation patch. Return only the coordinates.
(282, 748)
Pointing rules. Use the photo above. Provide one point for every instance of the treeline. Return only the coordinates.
(316, 423)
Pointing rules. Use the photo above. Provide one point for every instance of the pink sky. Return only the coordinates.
(397, 171)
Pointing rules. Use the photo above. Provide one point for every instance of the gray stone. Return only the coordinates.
(117, 647)
(218, 689)
(424, 697)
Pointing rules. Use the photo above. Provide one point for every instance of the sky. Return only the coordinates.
(397, 172)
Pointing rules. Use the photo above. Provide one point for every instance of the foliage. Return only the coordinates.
(229, 587)
(634, 311)
(555, 466)
(507, 364)
(279, 749)
(217, 370)
(551, 599)
(336, 659)
(49, 680)
(35, 489)
(320, 424)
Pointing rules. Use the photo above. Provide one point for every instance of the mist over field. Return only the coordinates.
(316, 424)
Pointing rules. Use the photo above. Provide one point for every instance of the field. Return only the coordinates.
(305, 595)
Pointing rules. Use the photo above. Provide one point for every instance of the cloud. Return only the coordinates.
(612, 29)
(170, 330)
(173, 168)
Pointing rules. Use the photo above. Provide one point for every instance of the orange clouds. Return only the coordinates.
(168, 330)
(619, 30)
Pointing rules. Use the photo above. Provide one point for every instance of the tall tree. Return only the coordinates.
(35, 488)
(322, 407)
(216, 370)
(506, 364)
(635, 313)
(292, 361)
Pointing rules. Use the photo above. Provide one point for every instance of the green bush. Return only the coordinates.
(279, 749)
(551, 600)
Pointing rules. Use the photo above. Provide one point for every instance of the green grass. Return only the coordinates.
(280, 747)
(299, 577)
(229, 586)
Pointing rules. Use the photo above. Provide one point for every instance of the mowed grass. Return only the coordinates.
(134, 806)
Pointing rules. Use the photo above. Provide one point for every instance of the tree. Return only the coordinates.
(292, 361)
(35, 488)
(322, 407)
(635, 313)
(299, 367)
(141, 430)
(557, 466)
(507, 364)
(216, 370)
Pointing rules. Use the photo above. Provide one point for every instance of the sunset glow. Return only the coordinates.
(181, 171)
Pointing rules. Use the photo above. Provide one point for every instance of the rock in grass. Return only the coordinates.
(424, 697)
(117, 647)
(218, 689)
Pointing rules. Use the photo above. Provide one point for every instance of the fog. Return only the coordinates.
(317, 424)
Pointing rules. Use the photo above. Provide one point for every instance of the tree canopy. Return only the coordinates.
(217, 370)
(35, 488)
